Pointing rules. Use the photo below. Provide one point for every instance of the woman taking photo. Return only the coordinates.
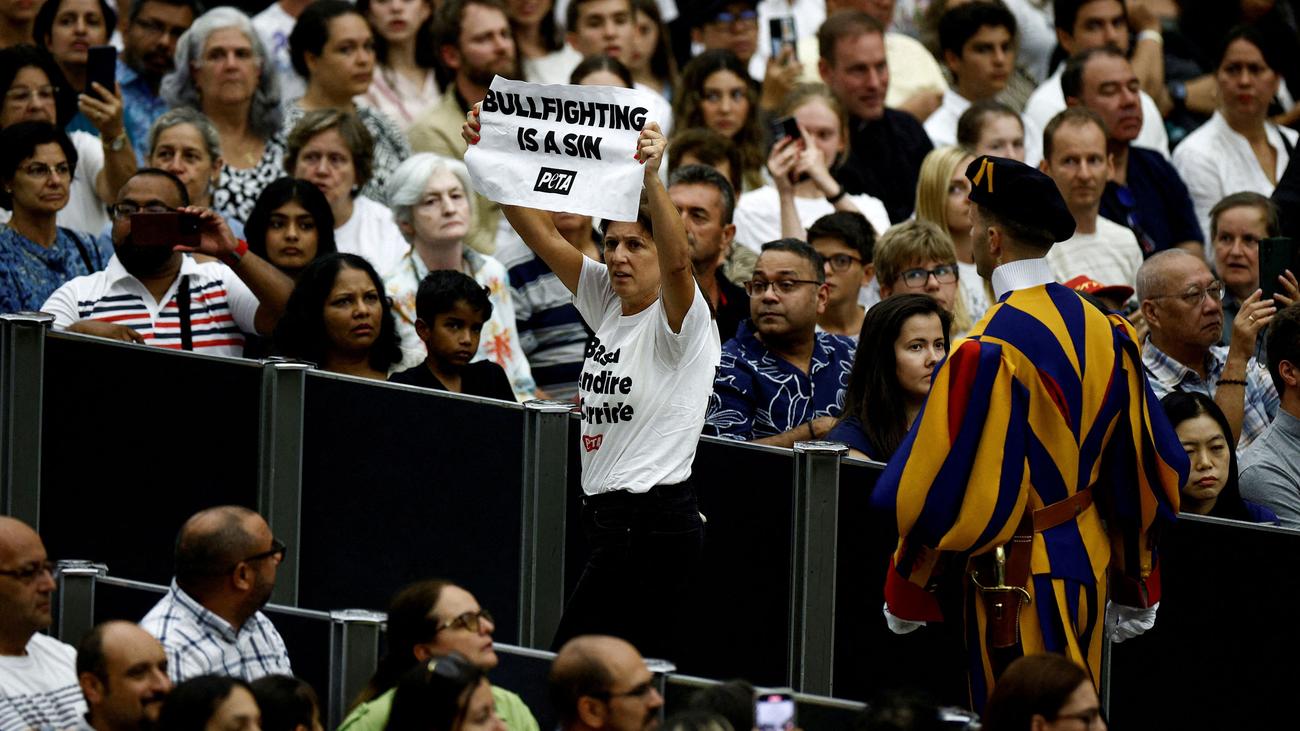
(67, 29)
(942, 198)
(1211, 487)
(903, 338)
(185, 143)
(291, 225)
(222, 70)
(404, 85)
(339, 319)
(36, 255)
(716, 93)
(655, 338)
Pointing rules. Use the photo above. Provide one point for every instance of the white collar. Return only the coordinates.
(1021, 274)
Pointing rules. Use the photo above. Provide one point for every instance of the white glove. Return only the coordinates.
(1124, 622)
(900, 626)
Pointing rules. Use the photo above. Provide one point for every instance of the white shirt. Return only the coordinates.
(1048, 100)
(274, 26)
(912, 68)
(39, 690)
(644, 389)
(372, 233)
(553, 68)
(1110, 255)
(808, 17)
(942, 126)
(1035, 36)
(758, 214)
(970, 285)
(85, 212)
(1215, 161)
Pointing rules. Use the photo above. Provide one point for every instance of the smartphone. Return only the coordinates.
(165, 229)
(101, 68)
(781, 30)
(775, 711)
(785, 127)
(1276, 255)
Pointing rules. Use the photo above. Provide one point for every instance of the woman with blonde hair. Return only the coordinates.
(943, 198)
(916, 257)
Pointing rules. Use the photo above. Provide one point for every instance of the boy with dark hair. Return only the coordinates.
(845, 240)
(451, 308)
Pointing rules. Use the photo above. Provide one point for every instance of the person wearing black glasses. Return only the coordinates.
(918, 257)
(209, 621)
(781, 381)
(602, 682)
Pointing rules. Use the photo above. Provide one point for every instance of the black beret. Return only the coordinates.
(1019, 193)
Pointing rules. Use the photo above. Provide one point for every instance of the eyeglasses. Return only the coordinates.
(472, 621)
(841, 262)
(278, 550)
(126, 210)
(41, 171)
(916, 278)
(744, 17)
(1196, 295)
(641, 690)
(1088, 718)
(757, 287)
(23, 94)
(28, 574)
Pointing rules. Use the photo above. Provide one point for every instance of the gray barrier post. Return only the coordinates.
(354, 655)
(812, 596)
(546, 477)
(76, 599)
(22, 371)
(279, 465)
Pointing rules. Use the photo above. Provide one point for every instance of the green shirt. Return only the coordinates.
(373, 715)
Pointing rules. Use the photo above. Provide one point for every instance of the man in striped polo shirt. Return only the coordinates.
(161, 295)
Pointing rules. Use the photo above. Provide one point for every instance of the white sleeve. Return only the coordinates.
(241, 300)
(62, 303)
(593, 296)
(672, 348)
(1201, 176)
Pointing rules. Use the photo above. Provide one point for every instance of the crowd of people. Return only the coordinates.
(821, 251)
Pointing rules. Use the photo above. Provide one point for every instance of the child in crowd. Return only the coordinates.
(451, 309)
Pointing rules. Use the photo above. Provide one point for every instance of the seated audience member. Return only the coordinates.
(450, 311)
(34, 90)
(331, 48)
(538, 37)
(67, 29)
(37, 256)
(845, 241)
(331, 150)
(780, 381)
(903, 338)
(430, 199)
(707, 204)
(592, 27)
(224, 70)
(977, 42)
(917, 257)
(989, 127)
(1075, 156)
(185, 143)
(1237, 224)
(1040, 692)
(650, 57)
(1082, 25)
(732, 26)
(291, 225)
(404, 84)
(1145, 192)
(427, 620)
(733, 700)
(1179, 299)
(445, 694)
(286, 703)
(1239, 149)
(703, 146)
(123, 674)
(601, 70)
(1269, 473)
(601, 682)
(210, 702)
(38, 679)
(1212, 487)
(803, 188)
(19, 17)
(339, 319)
(152, 293)
(715, 93)
(943, 198)
(210, 620)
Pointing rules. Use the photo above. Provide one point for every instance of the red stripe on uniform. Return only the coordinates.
(962, 365)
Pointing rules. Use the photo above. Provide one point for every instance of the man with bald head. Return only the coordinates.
(209, 621)
(602, 682)
(1181, 301)
(123, 674)
(38, 683)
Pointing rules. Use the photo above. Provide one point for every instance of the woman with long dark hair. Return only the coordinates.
(1211, 487)
(716, 93)
(291, 225)
(404, 83)
(444, 694)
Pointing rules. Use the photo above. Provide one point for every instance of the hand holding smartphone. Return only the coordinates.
(1276, 255)
(775, 711)
(101, 68)
(781, 30)
(170, 229)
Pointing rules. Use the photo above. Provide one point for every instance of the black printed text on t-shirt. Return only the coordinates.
(604, 382)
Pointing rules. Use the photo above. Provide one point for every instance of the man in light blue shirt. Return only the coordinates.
(147, 56)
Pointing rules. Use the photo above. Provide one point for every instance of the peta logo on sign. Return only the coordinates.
(553, 180)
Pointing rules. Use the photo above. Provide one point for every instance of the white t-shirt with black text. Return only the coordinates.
(643, 390)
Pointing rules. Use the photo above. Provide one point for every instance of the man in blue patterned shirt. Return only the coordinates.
(149, 50)
(780, 381)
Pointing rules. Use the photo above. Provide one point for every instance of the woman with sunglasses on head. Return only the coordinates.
(427, 620)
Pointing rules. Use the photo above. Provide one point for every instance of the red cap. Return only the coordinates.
(1088, 285)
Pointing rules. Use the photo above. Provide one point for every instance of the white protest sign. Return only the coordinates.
(558, 147)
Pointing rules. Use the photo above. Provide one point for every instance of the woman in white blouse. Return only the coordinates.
(1238, 149)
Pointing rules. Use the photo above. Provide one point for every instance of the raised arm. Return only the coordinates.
(677, 280)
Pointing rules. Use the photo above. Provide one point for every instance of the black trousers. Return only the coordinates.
(641, 570)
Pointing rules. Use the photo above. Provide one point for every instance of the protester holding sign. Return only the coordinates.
(645, 383)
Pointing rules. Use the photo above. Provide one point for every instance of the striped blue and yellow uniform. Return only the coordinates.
(1046, 397)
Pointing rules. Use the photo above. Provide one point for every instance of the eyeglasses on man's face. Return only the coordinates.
(758, 287)
(917, 278)
(841, 262)
(278, 551)
(1193, 296)
(31, 572)
(472, 621)
(127, 209)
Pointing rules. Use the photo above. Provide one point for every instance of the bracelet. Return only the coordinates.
(1232, 382)
(1151, 35)
(833, 199)
(232, 258)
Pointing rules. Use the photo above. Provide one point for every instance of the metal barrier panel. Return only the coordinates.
(812, 598)
(137, 439)
(402, 484)
(523, 671)
(22, 355)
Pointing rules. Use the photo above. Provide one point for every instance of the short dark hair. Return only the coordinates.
(1283, 343)
(440, 291)
(350, 127)
(19, 142)
(286, 702)
(434, 696)
(844, 25)
(849, 227)
(1074, 117)
(191, 703)
(1072, 76)
(1032, 236)
(712, 148)
(202, 556)
(970, 125)
(1065, 13)
(571, 13)
(447, 20)
(17, 58)
(277, 194)
(312, 31)
(1255, 37)
(50, 8)
(90, 653)
(705, 175)
(196, 7)
(802, 250)
(600, 62)
(1032, 685)
(301, 331)
(958, 25)
(569, 682)
(160, 173)
(1247, 199)
(733, 700)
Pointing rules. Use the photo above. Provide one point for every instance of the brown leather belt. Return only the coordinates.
(1063, 511)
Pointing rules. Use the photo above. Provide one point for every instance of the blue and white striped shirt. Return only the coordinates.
(199, 642)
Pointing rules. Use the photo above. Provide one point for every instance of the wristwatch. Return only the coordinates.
(117, 143)
(1178, 94)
